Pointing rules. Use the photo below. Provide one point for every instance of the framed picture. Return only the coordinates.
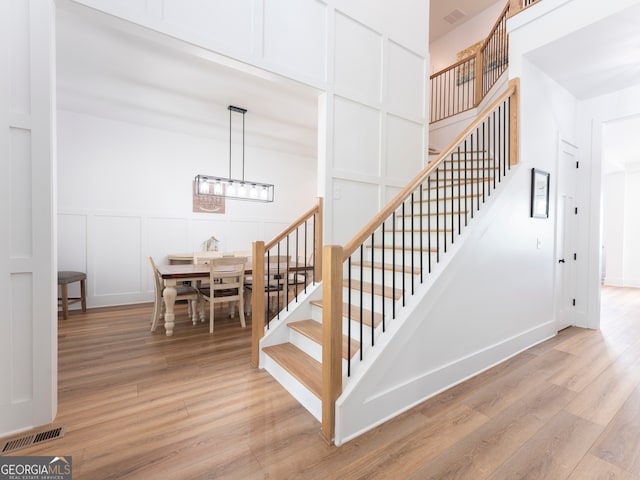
(539, 193)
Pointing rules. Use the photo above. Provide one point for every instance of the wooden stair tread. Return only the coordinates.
(301, 366)
(313, 331)
(355, 313)
(417, 230)
(387, 266)
(367, 287)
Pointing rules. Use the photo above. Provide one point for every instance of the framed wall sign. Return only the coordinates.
(539, 193)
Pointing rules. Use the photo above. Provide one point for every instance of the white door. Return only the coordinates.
(28, 323)
(566, 220)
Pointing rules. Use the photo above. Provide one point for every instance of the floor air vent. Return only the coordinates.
(31, 439)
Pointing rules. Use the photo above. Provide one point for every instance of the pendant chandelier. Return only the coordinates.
(233, 188)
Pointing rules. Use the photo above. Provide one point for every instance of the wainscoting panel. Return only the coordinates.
(21, 172)
(356, 137)
(221, 23)
(303, 48)
(114, 255)
(405, 147)
(357, 204)
(407, 76)
(21, 311)
(112, 249)
(165, 236)
(358, 60)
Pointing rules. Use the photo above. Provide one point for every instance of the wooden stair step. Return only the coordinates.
(387, 266)
(376, 289)
(313, 331)
(417, 230)
(301, 366)
(355, 313)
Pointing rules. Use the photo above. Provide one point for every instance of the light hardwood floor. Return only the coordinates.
(140, 406)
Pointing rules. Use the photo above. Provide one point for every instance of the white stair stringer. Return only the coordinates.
(364, 402)
(360, 371)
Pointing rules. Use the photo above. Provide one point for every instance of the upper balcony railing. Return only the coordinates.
(462, 86)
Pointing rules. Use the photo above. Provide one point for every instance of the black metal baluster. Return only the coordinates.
(373, 309)
(383, 302)
(438, 215)
(268, 287)
(421, 242)
(499, 145)
(348, 316)
(429, 222)
(404, 229)
(393, 263)
(452, 201)
(459, 193)
(361, 288)
(413, 252)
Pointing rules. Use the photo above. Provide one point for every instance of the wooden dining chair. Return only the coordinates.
(184, 292)
(226, 284)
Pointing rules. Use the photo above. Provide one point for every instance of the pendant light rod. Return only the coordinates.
(233, 108)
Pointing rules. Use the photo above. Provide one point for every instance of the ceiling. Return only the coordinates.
(113, 69)
(458, 11)
(596, 60)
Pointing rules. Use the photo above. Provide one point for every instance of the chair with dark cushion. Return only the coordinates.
(64, 279)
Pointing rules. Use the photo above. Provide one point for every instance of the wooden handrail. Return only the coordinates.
(505, 12)
(299, 221)
(386, 212)
(451, 67)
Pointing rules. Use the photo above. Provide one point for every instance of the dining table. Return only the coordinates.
(172, 274)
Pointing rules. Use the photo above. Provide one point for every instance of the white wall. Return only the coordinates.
(28, 328)
(369, 57)
(444, 50)
(124, 192)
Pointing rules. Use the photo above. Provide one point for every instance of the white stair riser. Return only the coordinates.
(398, 256)
(307, 399)
(416, 237)
(378, 276)
(366, 298)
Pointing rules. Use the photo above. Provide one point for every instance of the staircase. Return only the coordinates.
(386, 267)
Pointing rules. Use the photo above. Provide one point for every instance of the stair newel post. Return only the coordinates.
(317, 243)
(331, 337)
(513, 122)
(257, 300)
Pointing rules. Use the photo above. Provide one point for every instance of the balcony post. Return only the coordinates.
(317, 242)
(514, 115)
